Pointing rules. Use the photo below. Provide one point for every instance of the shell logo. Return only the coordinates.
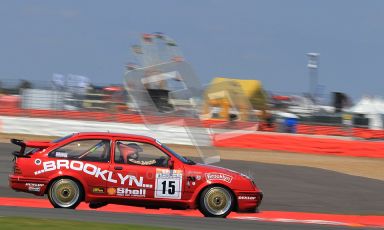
(111, 191)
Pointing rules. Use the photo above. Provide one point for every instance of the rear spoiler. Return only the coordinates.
(32, 144)
(22, 145)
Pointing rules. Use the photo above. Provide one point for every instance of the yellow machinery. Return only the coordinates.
(228, 96)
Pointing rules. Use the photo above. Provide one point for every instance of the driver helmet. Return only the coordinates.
(129, 151)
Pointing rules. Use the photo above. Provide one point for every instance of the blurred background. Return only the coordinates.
(246, 85)
(305, 67)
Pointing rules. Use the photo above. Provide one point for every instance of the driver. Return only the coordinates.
(130, 154)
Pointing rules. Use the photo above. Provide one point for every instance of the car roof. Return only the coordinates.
(109, 135)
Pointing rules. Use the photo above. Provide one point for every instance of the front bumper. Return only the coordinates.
(36, 186)
(248, 201)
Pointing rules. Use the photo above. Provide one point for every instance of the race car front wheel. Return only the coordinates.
(65, 193)
(216, 201)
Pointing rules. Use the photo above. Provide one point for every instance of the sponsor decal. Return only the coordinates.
(168, 183)
(37, 162)
(151, 162)
(218, 176)
(191, 180)
(246, 198)
(61, 154)
(111, 191)
(97, 190)
(32, 187)
(131, 192)
(93, 170)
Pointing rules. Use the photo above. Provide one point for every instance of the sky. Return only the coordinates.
(264, 40)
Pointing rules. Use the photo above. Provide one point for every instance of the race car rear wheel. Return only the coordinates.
(216, 201)
(65, 193)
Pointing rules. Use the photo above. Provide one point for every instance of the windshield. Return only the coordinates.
(181, 158)
(62, 138)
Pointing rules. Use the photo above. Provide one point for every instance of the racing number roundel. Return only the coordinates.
(168, 184)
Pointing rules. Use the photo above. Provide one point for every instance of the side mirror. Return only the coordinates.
(171, 164)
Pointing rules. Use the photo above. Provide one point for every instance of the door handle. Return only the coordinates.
(118, 168)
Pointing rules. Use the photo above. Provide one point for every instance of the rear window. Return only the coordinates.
(86, 150)
(32, 151)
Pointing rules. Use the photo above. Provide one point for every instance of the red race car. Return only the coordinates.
(106, 168)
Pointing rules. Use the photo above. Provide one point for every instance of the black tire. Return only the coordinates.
(65, 193)
(216, 201)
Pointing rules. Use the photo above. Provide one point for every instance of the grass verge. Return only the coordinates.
(18, 223)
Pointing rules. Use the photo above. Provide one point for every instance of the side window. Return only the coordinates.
(86, 150)
(137, 153)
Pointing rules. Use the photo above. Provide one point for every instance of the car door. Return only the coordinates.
(85, 159)
(141, 172)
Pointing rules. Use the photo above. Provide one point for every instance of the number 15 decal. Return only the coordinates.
(171, 187)
(168, 184)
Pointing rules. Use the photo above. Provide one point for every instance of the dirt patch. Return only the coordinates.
(356, 166)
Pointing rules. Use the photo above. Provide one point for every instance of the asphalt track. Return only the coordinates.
(286, 188)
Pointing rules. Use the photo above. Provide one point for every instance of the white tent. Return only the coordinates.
(373, 109)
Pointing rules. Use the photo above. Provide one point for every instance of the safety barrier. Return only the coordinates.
(332, 130)
(106, 117)
(178, 135)
(61, 127)
(132, 118)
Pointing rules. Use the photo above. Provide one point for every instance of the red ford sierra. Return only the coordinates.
(110, 168)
